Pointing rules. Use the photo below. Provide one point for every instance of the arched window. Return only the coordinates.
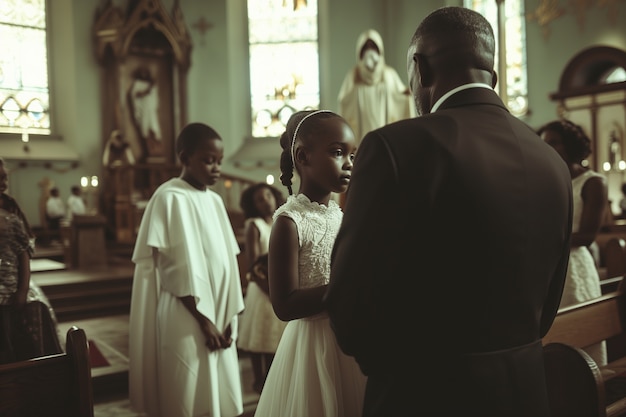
(511, 59)
(284, 62)
(24, 98)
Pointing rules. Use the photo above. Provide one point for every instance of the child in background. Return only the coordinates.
(310, 375)
(590, 197)
(75, 203)
(186, 294)
(55, 209)
(260, 329)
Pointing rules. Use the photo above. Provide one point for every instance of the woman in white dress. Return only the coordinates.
(310, 375)
(590, 197)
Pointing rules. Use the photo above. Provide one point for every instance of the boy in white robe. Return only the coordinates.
(186, 293)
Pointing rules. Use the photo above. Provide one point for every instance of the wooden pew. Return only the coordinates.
(50, 386)
(575, 385)
(591, 322)
(615, 257)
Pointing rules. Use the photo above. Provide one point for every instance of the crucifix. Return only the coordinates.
(203, 26)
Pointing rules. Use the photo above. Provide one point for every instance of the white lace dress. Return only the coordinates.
(583, 281)
(310, 375)
(259, 328)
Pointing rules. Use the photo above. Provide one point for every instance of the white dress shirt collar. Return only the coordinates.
(456, 90)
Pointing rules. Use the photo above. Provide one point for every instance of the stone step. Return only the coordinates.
(80, 294)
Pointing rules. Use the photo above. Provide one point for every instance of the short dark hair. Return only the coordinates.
(192, 135)
(458, 35)
(576, 143)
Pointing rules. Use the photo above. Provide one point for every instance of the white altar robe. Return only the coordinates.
(187, 235)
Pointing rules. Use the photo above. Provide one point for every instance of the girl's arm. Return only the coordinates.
(289, 301)
(253, 247)
(594, 195)
(253, 251)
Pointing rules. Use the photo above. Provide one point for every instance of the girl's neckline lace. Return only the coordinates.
(302, 198)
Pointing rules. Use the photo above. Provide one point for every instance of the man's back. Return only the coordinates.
(485, 220)
(470, 244)
(457, 228)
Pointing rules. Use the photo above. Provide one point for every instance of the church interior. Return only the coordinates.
(99, 52)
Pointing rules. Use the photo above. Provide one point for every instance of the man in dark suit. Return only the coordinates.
(450, 261)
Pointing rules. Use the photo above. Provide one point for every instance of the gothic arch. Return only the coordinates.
(588, 70)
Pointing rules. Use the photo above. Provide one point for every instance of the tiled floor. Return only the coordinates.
(110, 334)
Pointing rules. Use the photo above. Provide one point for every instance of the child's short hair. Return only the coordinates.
(75, 189)
(303, 125)
(192, 135)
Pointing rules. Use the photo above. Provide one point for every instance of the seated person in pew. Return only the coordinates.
(589, 192)
(17, 244)
(55, 209)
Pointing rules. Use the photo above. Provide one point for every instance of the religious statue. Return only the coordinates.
(143, 97)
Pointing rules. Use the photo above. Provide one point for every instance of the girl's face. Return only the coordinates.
(330, 157)
(204, 166)
(264, 201)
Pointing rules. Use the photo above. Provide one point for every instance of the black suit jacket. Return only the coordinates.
(450, 261)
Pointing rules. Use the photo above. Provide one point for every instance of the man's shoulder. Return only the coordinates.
(416, 126)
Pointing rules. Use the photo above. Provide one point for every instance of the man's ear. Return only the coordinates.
(425, 70)
(494, 79)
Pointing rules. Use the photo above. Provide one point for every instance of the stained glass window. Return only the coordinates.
(615, 75)
(24, 102)
(516, 96)
(284, 62)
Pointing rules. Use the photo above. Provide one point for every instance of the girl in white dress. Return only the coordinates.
(590, 198)
(259, 328)
(310, 375)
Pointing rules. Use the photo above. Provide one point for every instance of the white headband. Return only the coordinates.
(295, 133)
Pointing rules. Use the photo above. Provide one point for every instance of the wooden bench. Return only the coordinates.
(591, 322)
(50, 386)
(615, 257)
(575, 385)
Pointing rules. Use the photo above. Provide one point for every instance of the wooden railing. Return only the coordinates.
(127, 188)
